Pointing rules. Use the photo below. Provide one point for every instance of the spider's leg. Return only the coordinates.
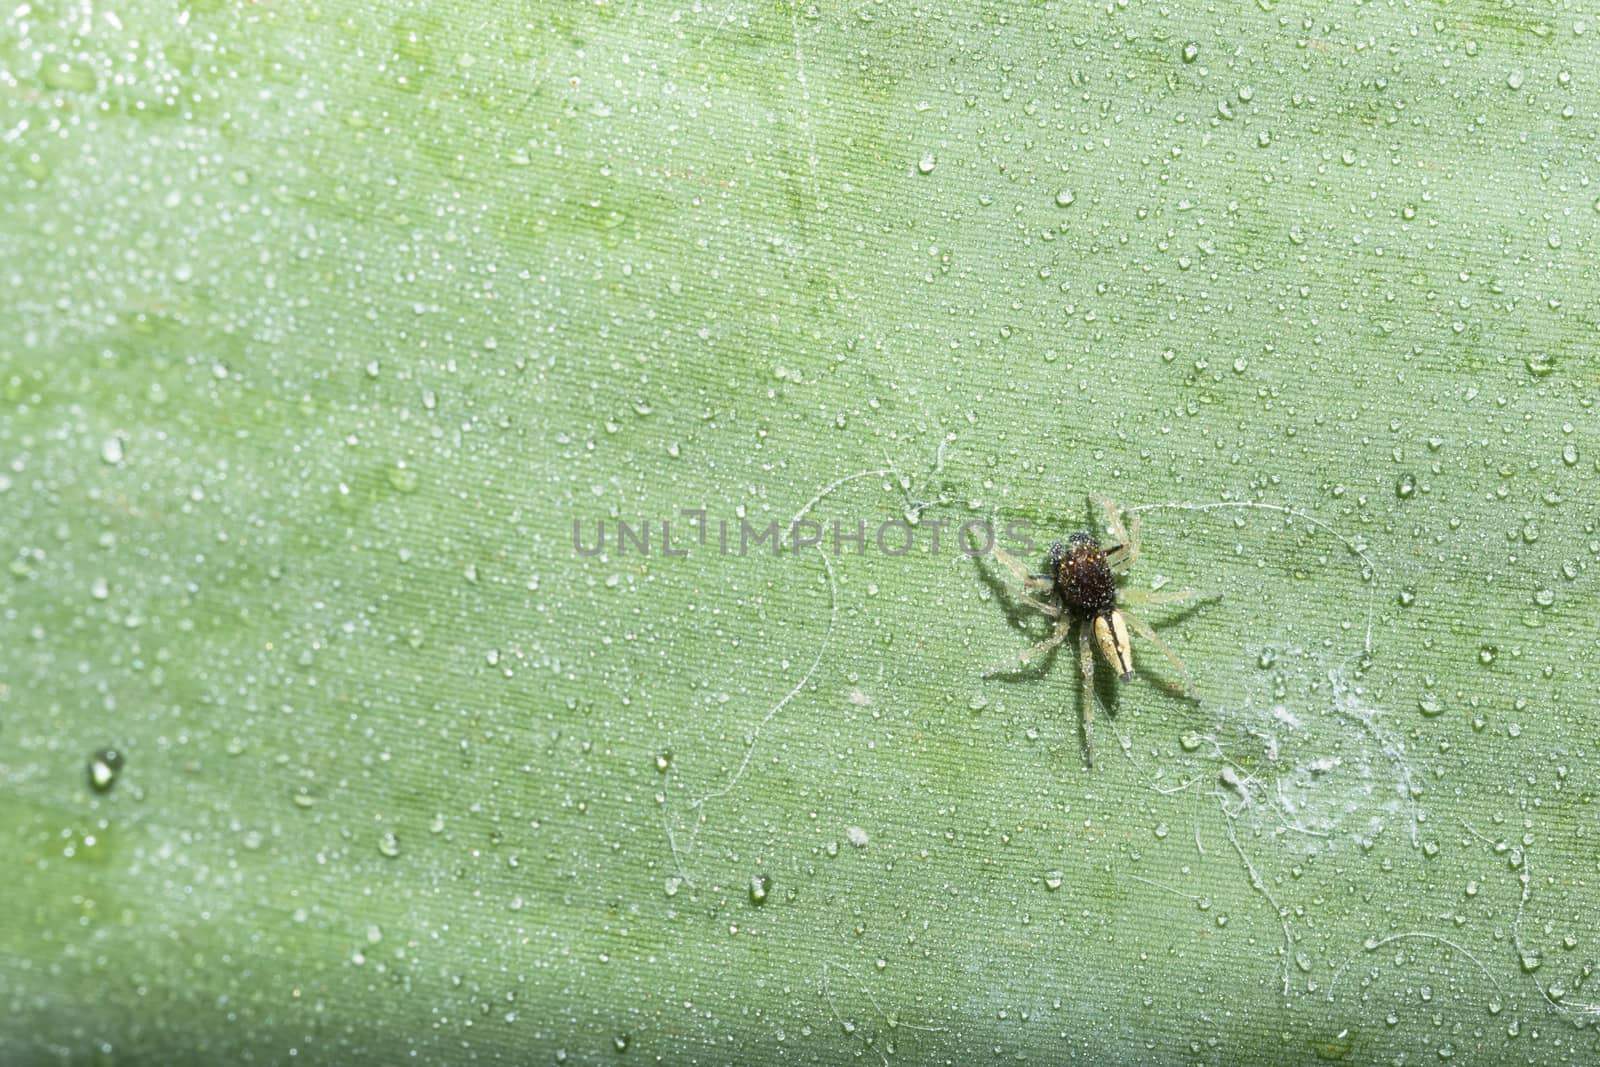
(1086, 699)
(1063, 627)
(1143, 629)
(1031, 583)
(1126, 550)
(1142, 596)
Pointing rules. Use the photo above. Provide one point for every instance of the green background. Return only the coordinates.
(322, 325)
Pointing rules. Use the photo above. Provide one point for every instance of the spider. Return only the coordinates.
(1080, 593)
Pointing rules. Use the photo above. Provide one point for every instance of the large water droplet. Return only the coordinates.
(104, 766)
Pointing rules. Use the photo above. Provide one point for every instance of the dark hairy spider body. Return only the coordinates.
(1080, 592)
(1087, 586)
(1083, 576)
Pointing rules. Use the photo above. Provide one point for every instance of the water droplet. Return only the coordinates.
(1544, 597)
(672, 885)
(1189, 740)
(1267, 658)
(1191, 51)
(1053, 880)
(403, 478)
(1569, 455)
(1430, 706)
(1064, 198)
(389, 844)
(104, 766)
(111, 450)
(1407, 598)
(760, 886)
(1406, 486)
(925, 164)
(1486, 654)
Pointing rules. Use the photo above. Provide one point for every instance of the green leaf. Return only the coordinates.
(334, 336)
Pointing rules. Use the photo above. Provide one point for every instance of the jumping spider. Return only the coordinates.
(1080, 593)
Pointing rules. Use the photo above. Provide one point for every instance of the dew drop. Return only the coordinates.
(760, 887)
(403, 478)
(104, 766)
